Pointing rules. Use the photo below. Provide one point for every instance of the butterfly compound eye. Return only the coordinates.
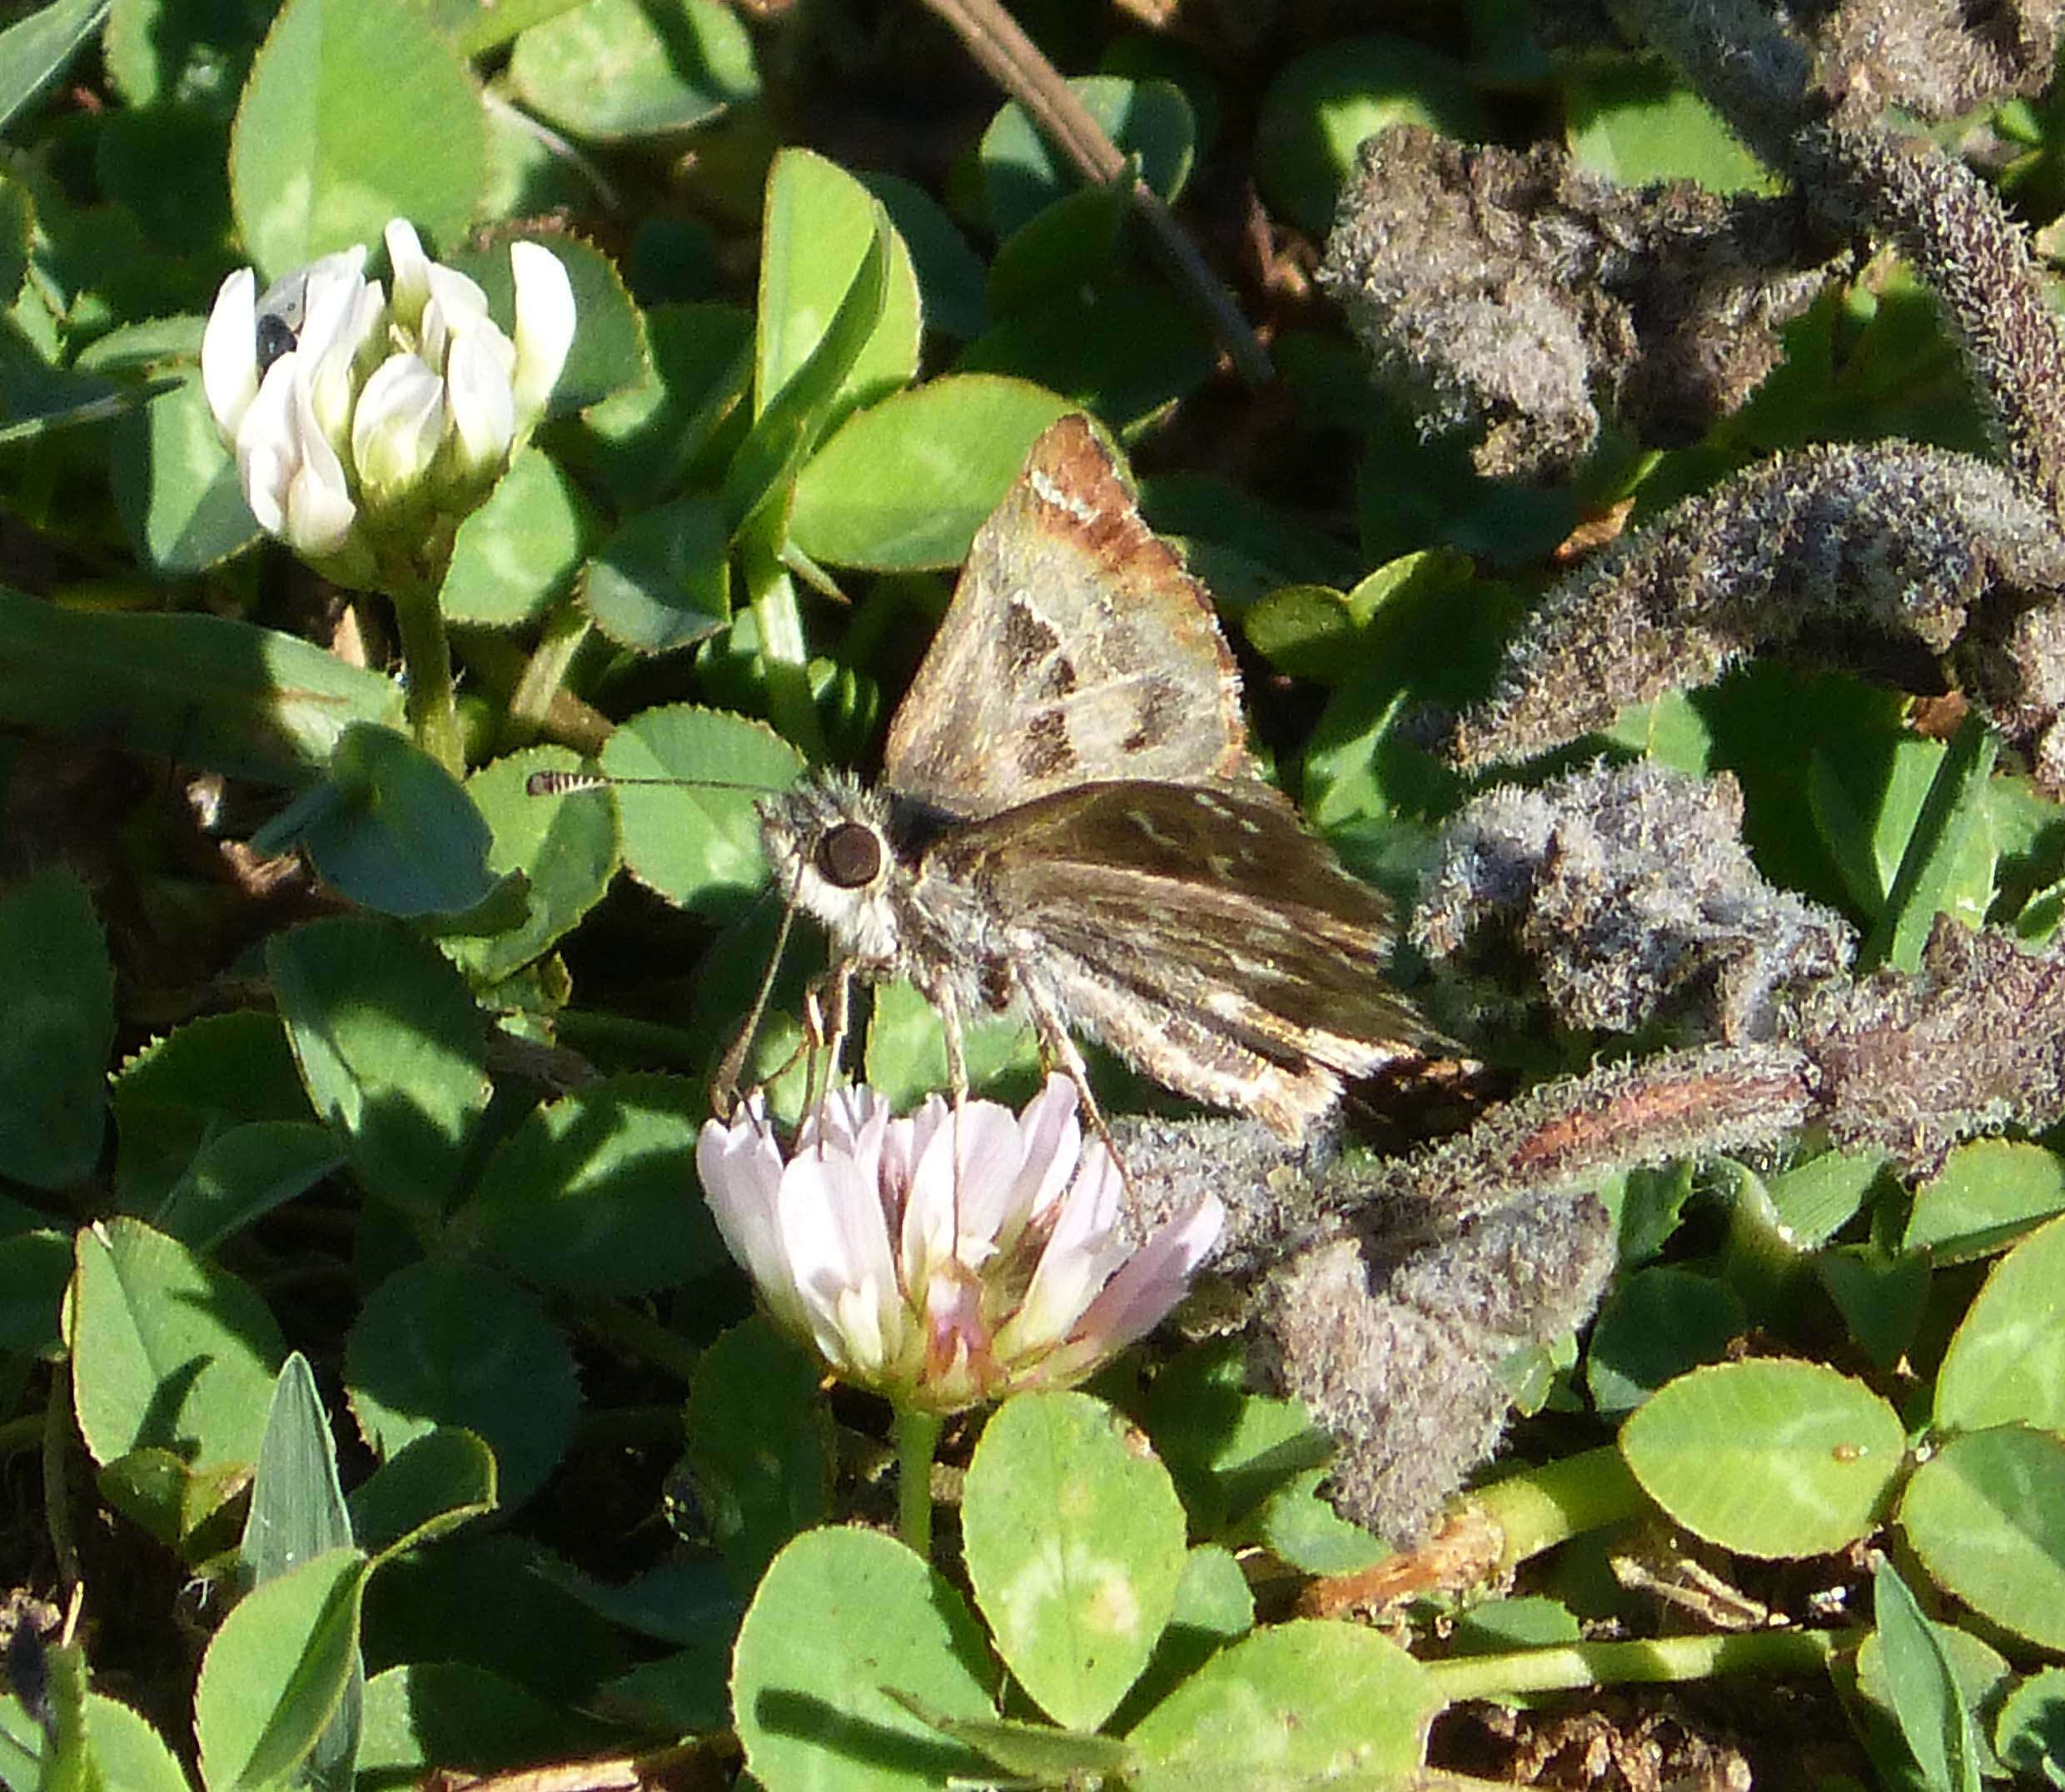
(849, 855)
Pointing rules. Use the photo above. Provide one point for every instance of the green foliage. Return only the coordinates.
(615, 69)
(584, 1194)
(391, 828)
(1628, 122)
(441, 1711)
(902, 486)
(906, 1053)
(1939, 873)
(1075, 1551)
(392, 1052)
(297, 1513)
(2030, 1738)
(427, 1487)
(99, 1742)
(1923, 1689)
(278, 1670)
(2003, 1366)
(820, 346)
(517, 554)
(35, 1270)
(444, 1345)
(1986, 1515)
(58, 1024)
(34, 51)
(1659, 1323)
(402, 1072)
(1319, 107)
(842, 1620)
(559, 857)
(247, 701)
(760, 1448)
(1984, 1197)
(1022, 175)
(354, 113)
(699, 847)
(207, 1080)
(1296, 1703)
(1075, 1546)
(1767, 1458)
(661, 580)
(608, 355)
(173, 1353)
(175, 485)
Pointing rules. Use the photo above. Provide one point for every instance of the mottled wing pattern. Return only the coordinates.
(1213, 903)
(1076, 649)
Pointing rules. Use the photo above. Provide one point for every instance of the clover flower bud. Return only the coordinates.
(397, 428)
(357, 417)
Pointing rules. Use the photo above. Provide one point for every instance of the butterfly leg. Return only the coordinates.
(836, 1020)
(724, 1095)
(826, 1018)
(826, 1010)
(1059, 1051)
(948, 1006)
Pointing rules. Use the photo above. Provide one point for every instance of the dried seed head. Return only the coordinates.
(1627, 892)
(1813, 551)
(1911, 1065)
(1402, 1364)
(1936, 58)
(1519, 297)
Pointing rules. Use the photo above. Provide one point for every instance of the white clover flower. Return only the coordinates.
(292, 478)
(497, 387)
(940, 1278)
(247, 334)
(545, 327)
(397, 428)
(355, 419)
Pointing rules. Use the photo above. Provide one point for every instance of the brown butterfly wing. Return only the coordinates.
(1214, 903)
(1076, 649)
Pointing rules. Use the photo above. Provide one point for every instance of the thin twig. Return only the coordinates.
(680, 1765)
(1014, 62)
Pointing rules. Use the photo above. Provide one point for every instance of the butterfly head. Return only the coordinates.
(827, 839)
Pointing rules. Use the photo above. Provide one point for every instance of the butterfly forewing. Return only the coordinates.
(1076, 649)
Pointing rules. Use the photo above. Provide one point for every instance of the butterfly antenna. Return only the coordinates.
(565, 784)
(723, 1090)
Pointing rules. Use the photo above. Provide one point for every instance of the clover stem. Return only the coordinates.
(1544, 1506)
(917, 1438)
(541, 699)
(427, 660)
(1492, 1530)
(623, 1325)
(58, 1434)
(1654, 1661)
(782, 648)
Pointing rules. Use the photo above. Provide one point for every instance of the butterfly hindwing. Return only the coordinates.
(1214, 899)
